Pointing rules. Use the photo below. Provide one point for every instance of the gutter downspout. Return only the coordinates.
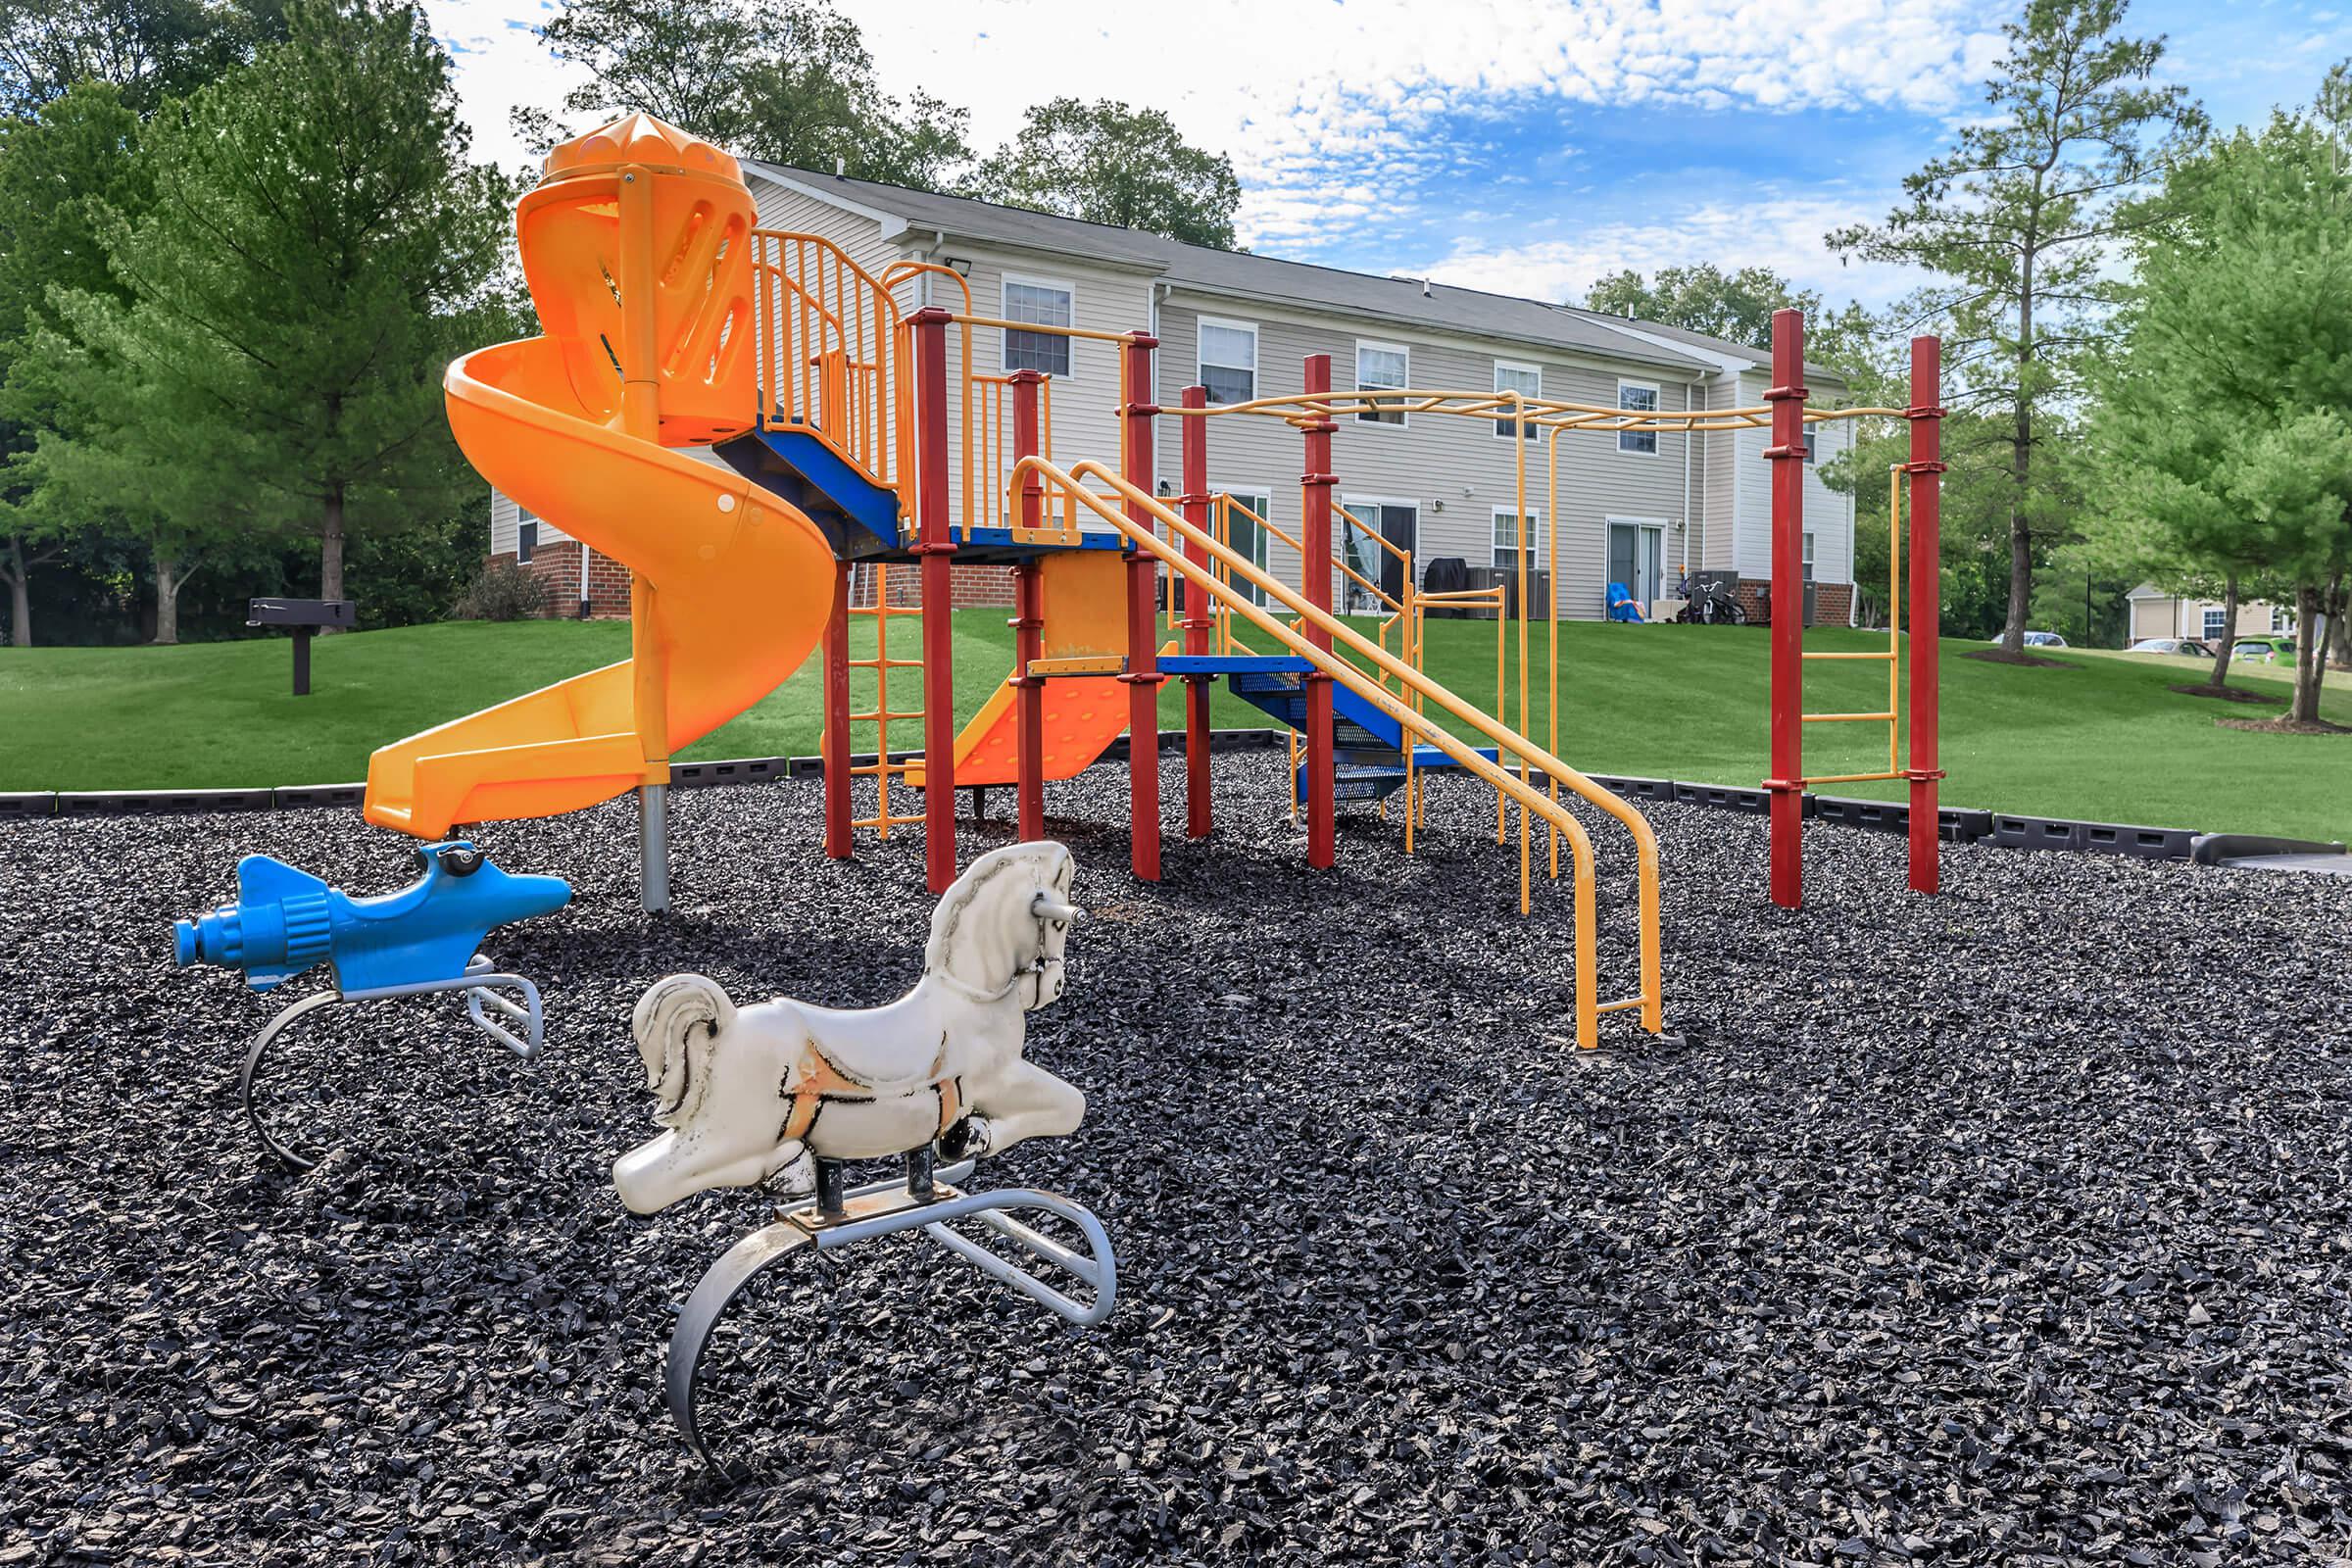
(585, 606)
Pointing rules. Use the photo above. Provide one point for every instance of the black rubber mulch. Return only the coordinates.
(2010, 1225)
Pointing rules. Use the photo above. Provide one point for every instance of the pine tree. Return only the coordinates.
(319, 247)
(2022, 218)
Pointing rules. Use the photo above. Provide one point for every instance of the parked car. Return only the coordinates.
(2179, 647)
(2268, 648)
(2041, 639)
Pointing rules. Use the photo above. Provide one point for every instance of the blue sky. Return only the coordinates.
(1525, 146)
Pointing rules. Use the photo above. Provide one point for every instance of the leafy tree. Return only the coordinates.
(1734, 306)
(60, 173)
(2227, 423)
(1108, 163)
(318, 249)
(2022, 218)
(149, 50)
(790, 83)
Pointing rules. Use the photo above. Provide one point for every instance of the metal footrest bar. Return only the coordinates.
(886, 1208)
(482, 986)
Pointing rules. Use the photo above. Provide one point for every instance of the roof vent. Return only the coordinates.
(841, 166)
(1425, 288)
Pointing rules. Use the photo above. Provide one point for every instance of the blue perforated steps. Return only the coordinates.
(1368, 745)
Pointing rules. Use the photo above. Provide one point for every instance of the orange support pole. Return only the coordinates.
(1197, 619)
(1322, 835)
(1142, 677)
(1029, 622)
(938, 595)
(833, 742)
(1926, 467)
(1787, 457)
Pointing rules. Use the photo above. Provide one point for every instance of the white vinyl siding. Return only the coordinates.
(1049, 301)
(1513, 375)
(1227, 360)
(1378, 365)
(1638, 397)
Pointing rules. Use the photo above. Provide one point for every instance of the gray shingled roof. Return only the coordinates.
(1442, 308)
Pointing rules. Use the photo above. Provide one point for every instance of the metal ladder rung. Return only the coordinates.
(1881, 657)
(1849, 718)
(1626, 1004)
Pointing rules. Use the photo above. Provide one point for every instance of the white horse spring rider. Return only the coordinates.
(785, 1090)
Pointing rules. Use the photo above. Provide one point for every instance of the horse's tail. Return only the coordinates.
(676, 1023)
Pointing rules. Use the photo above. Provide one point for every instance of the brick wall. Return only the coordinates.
(1832, 602)
(557, 565)
(971, 587)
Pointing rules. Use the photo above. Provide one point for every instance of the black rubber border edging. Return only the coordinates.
(1954, 824)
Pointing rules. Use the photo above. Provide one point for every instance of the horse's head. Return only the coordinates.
(716, 1090)
(1001, 927)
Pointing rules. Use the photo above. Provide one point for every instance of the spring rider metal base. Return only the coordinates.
(420, 940)
(480, 983)
(923, 1201)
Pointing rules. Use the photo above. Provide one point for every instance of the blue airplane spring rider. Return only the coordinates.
(424, 938)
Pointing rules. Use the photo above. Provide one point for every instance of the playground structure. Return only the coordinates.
(788, 1092)
(672, 321)
(421, 941)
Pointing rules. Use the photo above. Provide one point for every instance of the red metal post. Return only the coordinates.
(1322, 836)
(1787, 457)
(1029, 622)
(1197, 619)
(938, 632)
(835, 741)
(1142, 676)
(1926, 469)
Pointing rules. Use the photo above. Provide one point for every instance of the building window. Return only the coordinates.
(1227, 360)
(1638, 397)
(1812, 444)
(1047, 305)
(2281, 618)
(2215, 620)
(1245, 536)
(1527, 381)
(1378, 365)
(1506, 540)
(526, 537)
(1808, 555)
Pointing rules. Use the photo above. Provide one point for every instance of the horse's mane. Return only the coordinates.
(970, 901)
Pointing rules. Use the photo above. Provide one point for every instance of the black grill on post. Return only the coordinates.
(304, 617)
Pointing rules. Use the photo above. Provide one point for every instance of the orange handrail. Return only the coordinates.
(1145, 537)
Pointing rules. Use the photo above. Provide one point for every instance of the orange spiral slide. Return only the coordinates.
(637, 249)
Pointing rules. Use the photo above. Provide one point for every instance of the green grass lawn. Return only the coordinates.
(2100, 738)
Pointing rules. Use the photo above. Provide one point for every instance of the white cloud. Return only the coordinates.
(1783, 234)
(1329, 112)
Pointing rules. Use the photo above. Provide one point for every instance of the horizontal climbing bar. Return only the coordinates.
(1849, 718)
(1877, 656)
(1853, 778)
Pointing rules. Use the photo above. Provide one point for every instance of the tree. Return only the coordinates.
(2022, 218)
(149, 50)
(1108, 163)
(2226, 427)
(317, 249)
(790, 83)
(1735, 306)
(60, 173)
